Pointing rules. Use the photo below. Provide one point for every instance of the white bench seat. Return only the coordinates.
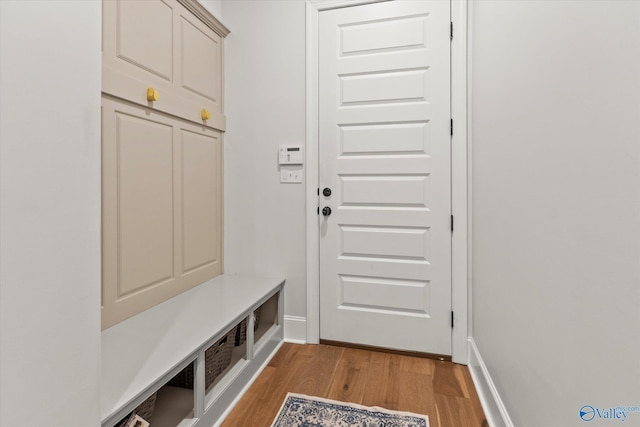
(142, 353)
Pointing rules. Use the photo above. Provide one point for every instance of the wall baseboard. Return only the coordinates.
(492, 404)
(295, 329)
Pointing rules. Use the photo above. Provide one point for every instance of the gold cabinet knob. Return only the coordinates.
(206, 115)
(152, 94)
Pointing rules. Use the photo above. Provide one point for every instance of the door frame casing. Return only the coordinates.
(459, 173)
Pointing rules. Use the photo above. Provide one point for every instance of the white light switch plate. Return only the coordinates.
(291, 176)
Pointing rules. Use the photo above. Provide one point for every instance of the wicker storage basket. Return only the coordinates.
(217, 358)
(144, 410)
(241, 333)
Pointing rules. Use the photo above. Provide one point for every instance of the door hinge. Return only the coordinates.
(451, 127)
(451, 31)
(318, 191)
(318, 211)
(452, 319)
(452, 223)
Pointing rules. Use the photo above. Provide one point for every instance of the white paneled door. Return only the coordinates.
(385, 227)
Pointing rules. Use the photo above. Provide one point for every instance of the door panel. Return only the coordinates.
(384, 113)
(385, 242)
(385, 294)
(383, 190)
(392, 33)
(145, 202)
(200, 200)
(402, 86)
(200, 61)
(384, 267)
(147, 46)
(400, 138)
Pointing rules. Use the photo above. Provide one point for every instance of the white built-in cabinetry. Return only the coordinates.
(143, 353)
(162, 162)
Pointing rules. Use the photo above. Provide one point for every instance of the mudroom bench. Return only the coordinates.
(166, 359)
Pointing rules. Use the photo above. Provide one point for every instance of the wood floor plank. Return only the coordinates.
(442, 390)
(383, 381)
(445, 381)
(456, 412)
(417, 365)
(474, 398)
(282, 355)
(349, 381)
(242, 413)
(263, 399)
(317, 377)
(416, 394)
(282, 382)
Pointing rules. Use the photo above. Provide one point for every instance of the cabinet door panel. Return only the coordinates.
(200, 60)
(201, 216)
(145, 202)
(161, 208)
(145, 35)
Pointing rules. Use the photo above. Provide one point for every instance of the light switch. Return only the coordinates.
(291, 176)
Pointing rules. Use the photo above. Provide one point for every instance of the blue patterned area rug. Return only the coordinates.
(299, 410)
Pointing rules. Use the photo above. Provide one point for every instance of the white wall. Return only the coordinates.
(556, 205)
(265, 107)
(213, 6)
(49, 213)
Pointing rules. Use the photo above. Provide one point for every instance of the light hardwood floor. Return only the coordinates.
(442, 390)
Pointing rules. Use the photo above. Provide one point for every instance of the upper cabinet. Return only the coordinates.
(165, 54)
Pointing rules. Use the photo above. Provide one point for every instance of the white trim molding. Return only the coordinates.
(460, 303)
(311, 152)
(494, 409)
(459, 284)
(295, 329)
(337, 4)
(205, 16)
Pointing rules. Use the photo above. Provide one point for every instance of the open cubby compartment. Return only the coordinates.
(168, 406)
(236, 365)
(269, 320)
(218, 356)
(174, 407)
(144, 410)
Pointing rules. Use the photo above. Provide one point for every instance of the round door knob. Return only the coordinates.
(326, 211)
(326, 192)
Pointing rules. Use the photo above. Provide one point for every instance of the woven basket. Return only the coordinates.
(144, 410)
(216, 359)
(241, 333)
